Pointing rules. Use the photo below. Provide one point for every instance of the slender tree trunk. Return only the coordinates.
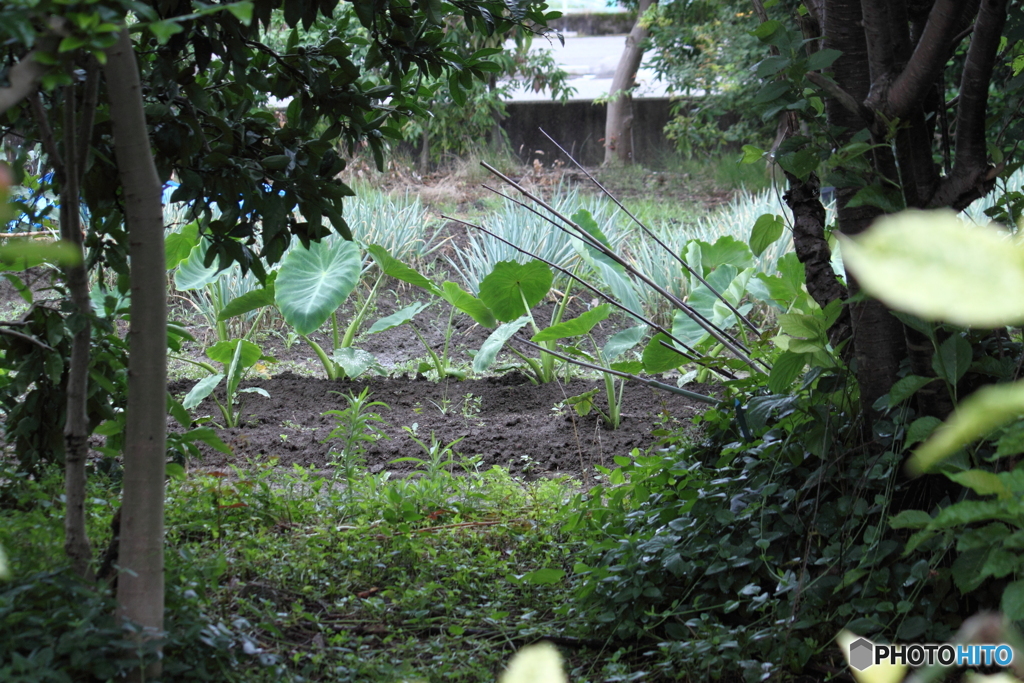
(140, 588)
(76, 422)
(618, 129)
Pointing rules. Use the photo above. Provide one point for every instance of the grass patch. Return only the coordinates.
(310, 577)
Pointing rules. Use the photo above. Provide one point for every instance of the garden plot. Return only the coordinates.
(436, 325)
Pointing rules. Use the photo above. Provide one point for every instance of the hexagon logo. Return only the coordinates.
(862, 654)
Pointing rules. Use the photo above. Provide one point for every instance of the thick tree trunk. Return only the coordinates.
(878, 343)
(140, 588)
(618, 129)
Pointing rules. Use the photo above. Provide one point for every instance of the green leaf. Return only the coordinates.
(174, 471)
(621, 342)
(178, 245)
(935, 266)
(193, 274)
(1012, 602)
(979, 414)
(633, 367)
(920, 429)
(658, 358)
(397, 318)
(209, 437)
(910, 519)
(801, 164)
(241, 10)
(884, 198)
(201, 390)
(906, 387)
(392, 267)
(575, 327)
(822, 59)
(786, 368)
(356, 361)
(545, 577)
(751, 154)
(953, 359)
(505, 288)
(767, 229)
(468, 304)
(312, 283)
(583, 404)
(250, 301)
(727, 250)
(163, 30)
(802, 326)
(18, 255)
(224, 352)
(493, 344)
(981, 482)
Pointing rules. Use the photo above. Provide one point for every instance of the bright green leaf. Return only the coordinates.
(979, 414)
(397, 318)
(505, 288)
(575, 327)
(935, 266)
(312, 283)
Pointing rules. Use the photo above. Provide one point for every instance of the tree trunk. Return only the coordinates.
(618, 129)
(878, 343)
(76, 421)
(140, 588)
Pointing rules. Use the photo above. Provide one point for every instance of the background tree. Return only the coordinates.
(618, 129)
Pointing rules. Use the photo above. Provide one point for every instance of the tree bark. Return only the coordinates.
(618, 129)
(804, 200)
(76, 421)
(140, 588)
(878, 343)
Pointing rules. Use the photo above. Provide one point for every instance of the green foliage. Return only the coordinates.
(237, 356)
(706, 55)
(34, 379)
(758, 535)
(57, 627)
(355, 427)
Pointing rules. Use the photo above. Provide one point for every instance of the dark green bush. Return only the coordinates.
(750, 550)
(57, 627)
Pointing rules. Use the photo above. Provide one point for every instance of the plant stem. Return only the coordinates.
(204, 365)
(329, 365)
(353, 326)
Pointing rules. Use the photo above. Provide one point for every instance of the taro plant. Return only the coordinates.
(237, 356)
(450, 292)
(204, 284)
(308, 289)
(606, 356)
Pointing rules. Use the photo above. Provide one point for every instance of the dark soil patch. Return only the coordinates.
(505, 420)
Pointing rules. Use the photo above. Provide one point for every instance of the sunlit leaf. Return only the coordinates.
(980, 413)
(935, 266)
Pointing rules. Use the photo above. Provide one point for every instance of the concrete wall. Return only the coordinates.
(595, 23)
(579, 128)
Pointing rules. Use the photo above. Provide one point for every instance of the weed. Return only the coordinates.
(356, 426)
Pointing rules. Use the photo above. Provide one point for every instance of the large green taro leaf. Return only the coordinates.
(312, 283)
(192, 274)
(500, 290)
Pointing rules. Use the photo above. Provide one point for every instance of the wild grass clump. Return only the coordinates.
(533, 233)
